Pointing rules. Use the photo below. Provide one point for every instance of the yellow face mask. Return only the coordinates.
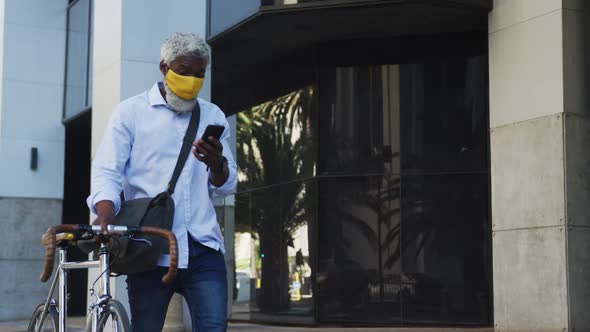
(185, 87)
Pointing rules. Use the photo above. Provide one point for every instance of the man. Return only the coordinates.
(138, 153)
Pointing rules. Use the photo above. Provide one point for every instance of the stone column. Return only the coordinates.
(229, 232)
(126, 53)
(540, 133)
(229, 224)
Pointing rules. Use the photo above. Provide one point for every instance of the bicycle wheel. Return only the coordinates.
(115, 316)
(50, 324)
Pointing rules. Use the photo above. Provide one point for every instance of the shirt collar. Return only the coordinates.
(155, 97)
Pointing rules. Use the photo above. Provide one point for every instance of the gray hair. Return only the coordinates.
(184, 43)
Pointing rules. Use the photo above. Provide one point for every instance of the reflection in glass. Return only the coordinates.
(386, 128)
(434, 113)
(275, 208)
(359, 121)
(378, 216)
(247, 262)
(78, 52)
(298, 214)
(445, 233)
(275, 140)
(359, 253)
(90, 56)
(444, 116)
(272, 250)
(273, 293)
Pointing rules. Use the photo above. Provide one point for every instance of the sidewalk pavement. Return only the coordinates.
(243, 327)
(76, 324)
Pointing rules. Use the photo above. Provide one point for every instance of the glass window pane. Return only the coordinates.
(77, 58)
(275, 255)
(401, 195)
(298, 214)
(445, 231)
(272, 294)
(90, 55)
(444, 116)
(359, 120)
(226, 13)
(246, 258)
(359, 278)
(276, 140)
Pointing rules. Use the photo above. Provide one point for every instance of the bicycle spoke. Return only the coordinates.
(114, 323)
(47, 325)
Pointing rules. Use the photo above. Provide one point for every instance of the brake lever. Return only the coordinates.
(87, 236)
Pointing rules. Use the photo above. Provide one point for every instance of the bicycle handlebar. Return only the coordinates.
(173, 250)
(49, 240)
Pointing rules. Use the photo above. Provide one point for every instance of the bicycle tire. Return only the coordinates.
(115, 310)
(51, 322)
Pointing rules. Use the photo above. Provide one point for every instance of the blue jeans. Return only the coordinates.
(203, 285)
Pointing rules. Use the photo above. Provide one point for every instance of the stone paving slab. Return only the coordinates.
(76, 325)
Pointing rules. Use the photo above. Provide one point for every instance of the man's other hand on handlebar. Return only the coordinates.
(105, 215)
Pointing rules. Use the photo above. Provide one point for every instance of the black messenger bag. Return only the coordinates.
(140, 253)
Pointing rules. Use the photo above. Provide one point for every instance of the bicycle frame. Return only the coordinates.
(61, 277)
(104, 303)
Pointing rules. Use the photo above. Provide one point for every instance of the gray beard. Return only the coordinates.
(178, 104)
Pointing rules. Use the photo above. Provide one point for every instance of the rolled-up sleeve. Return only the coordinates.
(229, 187)
(111, 159)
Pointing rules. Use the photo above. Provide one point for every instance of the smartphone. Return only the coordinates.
(213, 130)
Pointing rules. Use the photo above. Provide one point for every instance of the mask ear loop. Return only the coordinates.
(166, 68)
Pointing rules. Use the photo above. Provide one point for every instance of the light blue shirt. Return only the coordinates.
(137, 155)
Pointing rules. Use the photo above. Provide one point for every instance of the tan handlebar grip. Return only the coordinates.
(49, 240)
(173, 268)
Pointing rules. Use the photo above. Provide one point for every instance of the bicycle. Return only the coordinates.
(104, 308)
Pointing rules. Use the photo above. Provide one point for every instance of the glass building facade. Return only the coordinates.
(364, 198)
(363, 194)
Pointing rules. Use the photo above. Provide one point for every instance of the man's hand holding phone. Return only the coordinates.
(208, 149)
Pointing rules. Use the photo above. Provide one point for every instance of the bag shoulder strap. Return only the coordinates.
(187, 143)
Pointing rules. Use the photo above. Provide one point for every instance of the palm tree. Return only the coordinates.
(273, 147)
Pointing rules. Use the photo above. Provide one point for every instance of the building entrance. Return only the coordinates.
(76, 189)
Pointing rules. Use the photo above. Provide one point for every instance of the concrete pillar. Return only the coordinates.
(227, 205)
(229, 231)
(127, 39)
(540, 132)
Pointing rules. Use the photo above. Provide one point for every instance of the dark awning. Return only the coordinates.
(285, 43)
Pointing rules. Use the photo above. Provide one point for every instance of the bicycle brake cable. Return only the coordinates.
(110, 264)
